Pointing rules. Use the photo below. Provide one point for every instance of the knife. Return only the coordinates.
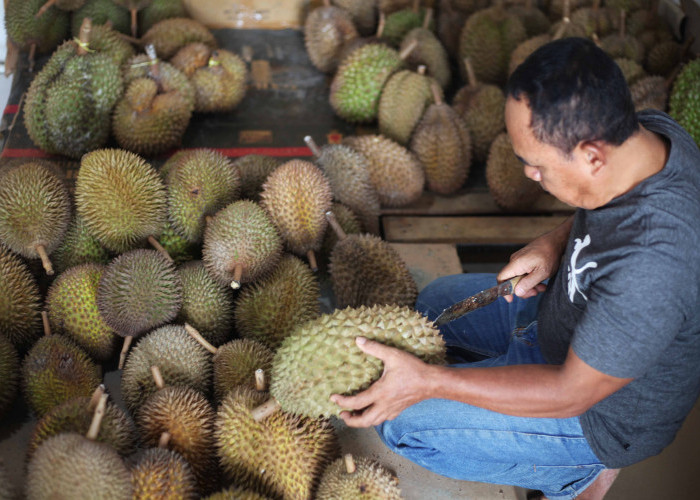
(476, 301)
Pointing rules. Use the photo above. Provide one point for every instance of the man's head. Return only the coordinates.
(568, 106)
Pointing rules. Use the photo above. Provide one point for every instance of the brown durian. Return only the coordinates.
(505, 177)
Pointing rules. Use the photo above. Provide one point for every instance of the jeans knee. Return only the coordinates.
(390, 433)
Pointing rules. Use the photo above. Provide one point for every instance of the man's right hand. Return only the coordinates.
(537, 261)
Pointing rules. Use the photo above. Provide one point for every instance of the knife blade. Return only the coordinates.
(483, 298)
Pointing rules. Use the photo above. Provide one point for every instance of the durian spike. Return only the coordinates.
(134, 23)
(435, 89)
(260, 380)
(44, 8)
(416, 6)
(45, 322)
(125, 349)
(471, 76)
(381, 24)
(330, 217)
(84, 38)
(237, 273)
(95, 399)
(198, 337)
(421, 70)
(157, 377)
(312, 260)
(97, 418)
(562, 28)
(349, 463)
(164, 440)
(32, 56)
(155, 244)
(623, 28)
(45, 261)
(315, 150)
(265, 410)
(407, 51)
(428, 18)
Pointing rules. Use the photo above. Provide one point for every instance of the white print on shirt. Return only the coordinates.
(574, 272)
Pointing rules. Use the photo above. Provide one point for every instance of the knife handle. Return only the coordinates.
(511, 284)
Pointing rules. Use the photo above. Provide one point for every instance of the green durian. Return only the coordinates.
(663, 58)
(236, 364)
(650, 92)
(400, 22)
(430, 52)
(170, 35)
(101, 12)
(179, 249)
(631, 70)
(236, 493)
(163, 473)
(358, 478)
(684, 104)
(26, 30)
(534, 20)
(79, 246)
(254, 170)
(220, 85)
(159, 10)
(108, 41)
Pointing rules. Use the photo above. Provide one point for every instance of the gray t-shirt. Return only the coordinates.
(627, 299)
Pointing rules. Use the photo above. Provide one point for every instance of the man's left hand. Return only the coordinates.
(404, 382)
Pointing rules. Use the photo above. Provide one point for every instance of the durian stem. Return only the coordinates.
(330, 217)
(349, 463)
(95, 399)
(155, 244)
(45, 322)
(312, 260)
(407, 51)
(45, 261)
(164, 440)
(237, 273)
(134, 23)
(125, 349)
(435, 89)
(32, 56)
(471, 76)
(157, 377)
(97, 419)
(44, 8)
(127, 38)
(198, 337)
(260, 380)
(84, 37)
(421, 70)
(567, 8)
(381, 24)
(153, 69)
(428, 18)
(265, 410)
(416, 6)
(562, 28)
(315, 150)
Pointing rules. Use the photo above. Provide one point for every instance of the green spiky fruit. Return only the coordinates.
(358, 84)
(482, 108)
(601, 21)
(631, 70)
(189, 419)
(429, 52)
(363, 13)
(170, 35)
(442, 144)
(270, 309)
(488, 38)
(684, 104)
(45, 32)
(159, 10)
(181, 360)
(617, 45)
(400, 22)
(179, 249)
(566, 29)
(296, 196)
(340, 367)
(20, 301)
(365, 270)
(106, 40)
(348, 173)
(75, 415)
(557, 8)
(505, 177)
(220, 84)
(405, 97)
(168, 77)
(524, 49)
(236, 362)
(138, 291)
(283, 455)
(241, 236)
(200, 183)
(57, 463)
(34, 210)
(662, 58)
(369, 481)
(650, 92)
(254, 170)
(56, 370)
(79, 246)
(191, 57)
(9, 373)
(72, 305)
(394, 171)
(534, 20)
(120, 197)
(70, 101)
(326, 31)
(163, 473)
(100, 12)
(236, 493)
(349, 223)
(206, 305)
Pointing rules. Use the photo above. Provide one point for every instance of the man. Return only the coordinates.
(600, 370)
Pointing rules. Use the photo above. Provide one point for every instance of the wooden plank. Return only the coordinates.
(427, 262)
(468, 230)
(472, 201)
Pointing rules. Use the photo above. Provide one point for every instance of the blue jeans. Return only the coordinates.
(465, 442)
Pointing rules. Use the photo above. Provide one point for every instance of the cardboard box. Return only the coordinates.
(252, 14)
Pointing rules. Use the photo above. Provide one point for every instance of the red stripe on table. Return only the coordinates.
(11, 108)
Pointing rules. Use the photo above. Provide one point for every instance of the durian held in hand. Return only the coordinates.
(320, 358)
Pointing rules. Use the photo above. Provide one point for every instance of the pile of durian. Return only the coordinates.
(393, 61)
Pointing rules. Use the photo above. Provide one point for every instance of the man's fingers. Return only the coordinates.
(376, 349)
(356, 402)
(368, 418)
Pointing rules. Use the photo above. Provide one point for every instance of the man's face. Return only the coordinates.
(563, 177)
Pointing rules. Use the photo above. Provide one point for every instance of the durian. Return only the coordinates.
(505, 177)
(363, 13)
(254, 170)
(534, 20)
(35, 34)
(663, 58)
(170, 35)
(684, 104)
(631, 70)
(159, 10)
(7, 490)
(400, 22)
(79, 246)
(348, 222)
(9, 374)
(650, 92)
(101, 12)
(326, 30)
(236, 493)
(179, 249)
(163, 473)
(241, 244)
(623, 45)
(34, 212)
(352, 478)
(133, 6)
(430, 52)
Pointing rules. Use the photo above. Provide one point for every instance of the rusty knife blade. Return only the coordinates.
(476, 301)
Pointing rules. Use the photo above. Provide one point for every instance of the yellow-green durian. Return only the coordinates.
(236, 363)
(163, 473)
(78, 247)
(170, 35)
(366, 480)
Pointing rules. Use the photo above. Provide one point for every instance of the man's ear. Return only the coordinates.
(594, 154)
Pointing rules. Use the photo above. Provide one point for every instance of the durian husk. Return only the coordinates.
(429, 52)
(236, 493)
(327, 344)
(631, 70)
(404, 99)
(220, 85)
(163, 473)
(170, 35)
(363, 12)
(45, 32)
(482, 107)
(282, 456)
(254, 170)
(9, 373)
(506, 179)
(326, 31)
(235, 364)
(159, 10)
(684, 103)
(650, 92)
(78, 247)
(369, 477)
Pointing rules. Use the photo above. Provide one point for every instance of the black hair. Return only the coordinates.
(575, 92)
